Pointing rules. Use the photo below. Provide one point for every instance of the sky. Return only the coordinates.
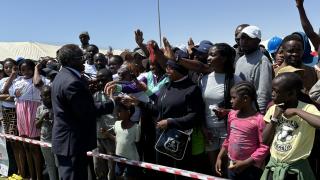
(113, 22)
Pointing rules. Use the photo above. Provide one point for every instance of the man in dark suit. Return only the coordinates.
(74, 128)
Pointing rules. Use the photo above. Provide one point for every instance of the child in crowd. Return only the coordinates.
(127, 75)
(127, 134)
(243, 144)
(104, 169)
(27, 101)
(290, 127)
(44, 121)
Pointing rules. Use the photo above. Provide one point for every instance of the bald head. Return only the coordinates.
(238, 31)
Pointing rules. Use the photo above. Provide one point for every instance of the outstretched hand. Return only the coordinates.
(110, 88)
(138, 35)
(168, 52)
(190, 45)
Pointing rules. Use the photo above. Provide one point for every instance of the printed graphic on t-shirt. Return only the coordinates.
(285, 135)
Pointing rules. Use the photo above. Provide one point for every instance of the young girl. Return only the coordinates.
(27, 100)
(290, 128)
(127, 134)
(9, 113)
(244, 140)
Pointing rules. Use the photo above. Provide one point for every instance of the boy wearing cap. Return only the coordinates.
(254, 66)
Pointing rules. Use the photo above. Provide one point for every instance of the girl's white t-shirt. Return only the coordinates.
(27, 89)
(126, 139)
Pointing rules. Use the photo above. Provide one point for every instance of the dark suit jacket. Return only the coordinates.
(74, 127)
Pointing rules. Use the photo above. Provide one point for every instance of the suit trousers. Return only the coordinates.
(73, 167)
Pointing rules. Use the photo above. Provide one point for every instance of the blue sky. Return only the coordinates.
(112, 22)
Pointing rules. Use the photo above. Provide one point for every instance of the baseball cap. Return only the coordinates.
(204, 46)
(19, 59)
(180, 53)
(252, 32)
(289, 69)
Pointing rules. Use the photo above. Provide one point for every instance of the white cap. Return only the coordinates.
(252, 31)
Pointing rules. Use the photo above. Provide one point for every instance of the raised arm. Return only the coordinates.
(194, 65)
(155, 54)
(306, 25)
(8, 83)
(37, 81)
(138, 35)
(312, 119)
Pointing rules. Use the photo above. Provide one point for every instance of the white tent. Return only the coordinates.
(32, 50)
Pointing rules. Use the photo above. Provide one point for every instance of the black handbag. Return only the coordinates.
(173, 143)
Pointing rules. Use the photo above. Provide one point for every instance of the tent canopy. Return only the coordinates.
(32, 50)
(29, 50)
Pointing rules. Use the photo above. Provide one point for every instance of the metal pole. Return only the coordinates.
(159, 24)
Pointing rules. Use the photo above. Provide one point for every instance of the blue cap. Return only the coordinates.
(204, 46)
(274, 44)
(19, 59)
(180, 53)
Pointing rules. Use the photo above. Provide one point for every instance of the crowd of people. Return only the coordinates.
(248, 111)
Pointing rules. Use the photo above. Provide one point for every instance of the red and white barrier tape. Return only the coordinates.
(31, 141)
(156, 167)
